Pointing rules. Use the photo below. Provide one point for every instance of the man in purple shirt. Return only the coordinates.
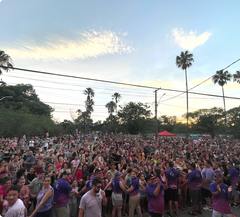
(233, 172)
(62, 191)
(220, 197)
(155, 195)
(172, 175)
(194, 178)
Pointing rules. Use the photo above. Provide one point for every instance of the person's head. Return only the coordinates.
(142, 177)
(64, 175)
(134, 173)
(21, 181)
(12, 195)
(60, 158)
(65, 165)
(171, 164)
(32, 170)
(219, 177)
(150, 178)
(192, 166)
(96, 185)
(208, 164)
(98, 173)
(113, 166)
(46, 181)
(7, 182)
(74, 183)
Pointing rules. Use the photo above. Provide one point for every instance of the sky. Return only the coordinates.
(133, 41)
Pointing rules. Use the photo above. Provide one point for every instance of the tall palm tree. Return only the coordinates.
(236, 77)
(111, 106)
(222, 77)
(184, 61)
(5, 61)
(116, 97)
(89, 102)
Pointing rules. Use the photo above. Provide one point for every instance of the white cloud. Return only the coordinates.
(189, 40)
(89, 44)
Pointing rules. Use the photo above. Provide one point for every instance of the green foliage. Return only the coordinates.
(111, 107)
(17, 123)
(24, 98)
(236, 77)
(208, 121)
(185, 60)
(233, 117)
(133, 117)
(5, 61)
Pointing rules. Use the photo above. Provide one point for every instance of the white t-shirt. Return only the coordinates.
(31, 143)
(92, 205)
(16, 210)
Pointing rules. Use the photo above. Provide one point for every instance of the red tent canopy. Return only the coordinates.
(166, 133)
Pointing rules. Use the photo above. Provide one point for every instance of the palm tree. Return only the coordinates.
(236, 77)
(111, 106)
(222, 77)
(184, 61)
(89, 102)
(5, 61)
(116, 97)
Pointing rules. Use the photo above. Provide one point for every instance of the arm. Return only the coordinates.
(81, 212)
(157, 190)
(130, 189)
(215, 190)
(122, 186)
(104, 198)
(108, 185)
(42, 202)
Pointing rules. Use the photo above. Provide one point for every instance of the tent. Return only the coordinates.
(166, 133)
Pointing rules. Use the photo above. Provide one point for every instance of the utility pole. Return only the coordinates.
(156, 111)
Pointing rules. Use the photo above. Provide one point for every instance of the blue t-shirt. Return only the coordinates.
(62, 191)
(155, 203)
(116, 186)
(220, 200)
(194, 179)
(172, 176)
(135, 185)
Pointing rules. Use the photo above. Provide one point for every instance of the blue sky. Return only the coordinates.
(131, 41)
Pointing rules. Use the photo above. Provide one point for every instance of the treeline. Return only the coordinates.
(22, 112)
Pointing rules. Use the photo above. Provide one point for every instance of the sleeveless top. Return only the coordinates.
(49, 203)
(116, 186)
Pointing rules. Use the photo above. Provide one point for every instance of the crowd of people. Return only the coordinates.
(118, 175)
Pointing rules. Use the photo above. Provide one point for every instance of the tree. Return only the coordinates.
(5, 61)
(222, 77)
(116, 97)
(207, 120)
(236, 77)
(24, 98)
(167, 122)
(233, 116)
(83, 121)
(111, 106)
(133, 116)
(89, 101)
(184, 61)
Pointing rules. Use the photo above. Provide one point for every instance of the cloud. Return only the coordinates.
(89, 44)
(189, 40)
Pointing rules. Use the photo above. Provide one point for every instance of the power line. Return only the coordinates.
(77, 85)
(106, 93)
(114, 82)
(59, 103)
(201, 81)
